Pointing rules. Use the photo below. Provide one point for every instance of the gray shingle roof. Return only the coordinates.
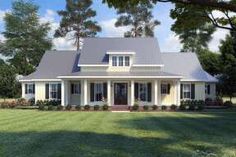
(61, 63)
(55, 63)
(94, 50)
(187, 65)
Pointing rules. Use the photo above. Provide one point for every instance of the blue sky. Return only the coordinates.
(106, 17)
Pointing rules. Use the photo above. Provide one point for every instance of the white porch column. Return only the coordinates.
(63, 93)
(109, 92)
(132, 93)
(85, 92)
(155, 92)
(177, 87)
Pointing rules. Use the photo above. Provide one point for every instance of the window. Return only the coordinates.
(75, 88)
(98, 91)
(53, 90)
(120, 60)
(114, 61)
(143, 91)
(164, 89)
(29, 88)
(127, 61)
(186, 91)
(207, 89)
(143, 94)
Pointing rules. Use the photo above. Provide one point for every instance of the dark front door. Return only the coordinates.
(120, 93)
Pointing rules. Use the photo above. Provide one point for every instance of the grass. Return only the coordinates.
(25, 133)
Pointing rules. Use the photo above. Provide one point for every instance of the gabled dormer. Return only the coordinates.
(120, 60)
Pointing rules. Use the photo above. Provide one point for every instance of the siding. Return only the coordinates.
(168, 99)
(212, 94)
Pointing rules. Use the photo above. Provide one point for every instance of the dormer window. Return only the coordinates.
(120, 61)
(114, 61)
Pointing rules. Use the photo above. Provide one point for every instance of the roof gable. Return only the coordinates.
(95, 50)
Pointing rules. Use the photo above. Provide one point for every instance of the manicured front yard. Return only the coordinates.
(69, 134)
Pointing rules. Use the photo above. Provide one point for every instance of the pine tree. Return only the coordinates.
(77, 20)
(139, 18)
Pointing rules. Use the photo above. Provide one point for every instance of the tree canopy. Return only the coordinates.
(26, 39)
(77, 20)
(139, 18)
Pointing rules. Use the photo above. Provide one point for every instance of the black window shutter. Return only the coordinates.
(181, 91)
(192, 91)
(168, 88)
(33, 88)
(59, 91)
(47, 91)
(26, 88)
(105, 90)
(91, 92)
(208, 89)
(136, 91)
(149, 92)
(72, 88)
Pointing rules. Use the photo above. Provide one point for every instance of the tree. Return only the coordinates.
(8, 84)
(139, 18)
(77, 21)
(194, 32)
(210, 61)
(228, 60)
(226, 21)
(26, 39)
(216, 4)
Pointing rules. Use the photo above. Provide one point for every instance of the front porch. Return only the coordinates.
(115, 92)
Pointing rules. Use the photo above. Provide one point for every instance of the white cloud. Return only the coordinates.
(171, 43)
(218, 35)
(109, 29)
(2, 15)
(62, 43)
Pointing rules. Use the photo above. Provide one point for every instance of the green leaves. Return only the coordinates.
(26, 38)
(139, 18)
(77, 18)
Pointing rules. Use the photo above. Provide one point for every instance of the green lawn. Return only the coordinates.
(58, 134)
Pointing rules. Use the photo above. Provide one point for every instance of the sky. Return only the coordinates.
(106, 18)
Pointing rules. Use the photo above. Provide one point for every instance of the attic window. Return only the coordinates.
(121, 61)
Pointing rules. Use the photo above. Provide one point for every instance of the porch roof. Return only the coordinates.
(159, 74)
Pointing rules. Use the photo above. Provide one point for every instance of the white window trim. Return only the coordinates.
(189, 84)
(50, 88)
(118, 60)
(94, 91)
(30, 84)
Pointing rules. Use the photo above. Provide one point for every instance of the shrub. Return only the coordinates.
(96, 107)
(50, 108)
(105, 107)
(154, 107)
(191, 104)
(40, 104)
(145, 107)
(11, 104)
(182, 105)
(135, 107)
(163, 107)
(60, 108)
(173, 107)
(78, 107)
(200, 105)
(31, 101)
(22, 102)
(218, 101)
(86, 107)
(68, 107)
(4, 104)
(228, 104)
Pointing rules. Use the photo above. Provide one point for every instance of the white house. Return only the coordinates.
(120, 71)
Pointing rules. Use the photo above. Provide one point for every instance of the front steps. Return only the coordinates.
(119, 108)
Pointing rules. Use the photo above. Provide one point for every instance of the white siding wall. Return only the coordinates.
(212, 94)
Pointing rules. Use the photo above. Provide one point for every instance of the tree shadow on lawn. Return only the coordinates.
(66, 143)
(205, 134)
